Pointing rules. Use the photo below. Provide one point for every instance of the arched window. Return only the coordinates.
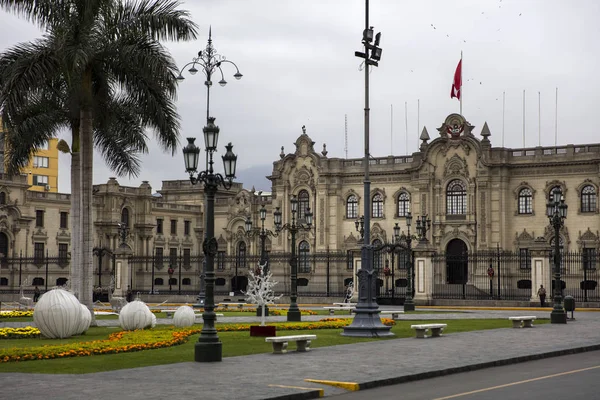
(240, 258)
(303, 204)
(125, 217)
(2, 198)
(403, 204)
(3, 281)
(525, 201)
(588, 199)
(158, 281)
(377, 256)
(377, 206)
(456, 198)
(303, 259)
(186, 281)
(172, 281)
(352, 207)
(38, 281)
(61, 281)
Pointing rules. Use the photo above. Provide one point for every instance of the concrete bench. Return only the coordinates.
(280, 343)
(393, 312)
(345, 304)
(332, 310)
(436, 330)
(226, 305)
(525, 322)
(216, 314)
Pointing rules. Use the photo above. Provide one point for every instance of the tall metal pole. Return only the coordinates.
(366, 322)
(294, 312)
(409, 304)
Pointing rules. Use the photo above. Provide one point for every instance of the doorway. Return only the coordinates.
(457, 262)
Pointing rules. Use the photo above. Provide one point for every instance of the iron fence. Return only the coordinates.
(579, 276)
(496, 274)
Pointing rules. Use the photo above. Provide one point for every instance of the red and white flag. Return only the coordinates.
(457, 83)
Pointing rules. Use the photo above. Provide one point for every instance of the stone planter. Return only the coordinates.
(257, 330)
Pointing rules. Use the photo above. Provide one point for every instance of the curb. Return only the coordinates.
(474, 367)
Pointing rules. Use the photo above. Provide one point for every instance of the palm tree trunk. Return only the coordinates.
(75, 214)
(86, 179)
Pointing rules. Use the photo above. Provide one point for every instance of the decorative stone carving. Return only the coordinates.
(184, 316)
(135, 315)
(523, 237)
(58, 314)
(456, 166)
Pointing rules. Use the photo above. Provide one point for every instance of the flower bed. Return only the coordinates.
(19, 333)
(16, 314)
(128, 341)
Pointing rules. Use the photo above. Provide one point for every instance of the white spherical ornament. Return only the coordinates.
(135, 315)
(184, 316)
(153, 324)
(85, 320)
(57, 314)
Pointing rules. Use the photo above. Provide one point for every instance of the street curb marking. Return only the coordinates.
(353, 386)
(310, 392)
(474, 367)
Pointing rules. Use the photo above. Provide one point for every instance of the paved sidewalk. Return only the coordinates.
(369, 364)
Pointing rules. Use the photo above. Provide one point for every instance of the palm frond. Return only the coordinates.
(43, 13)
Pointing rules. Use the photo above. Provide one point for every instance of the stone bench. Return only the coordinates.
(394, 313)
(332, 310)
(345, 304)
(280, 343)
(436, 330)
(525, 322)
(226, 305)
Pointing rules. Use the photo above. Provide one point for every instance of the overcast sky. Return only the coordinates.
(299, 68)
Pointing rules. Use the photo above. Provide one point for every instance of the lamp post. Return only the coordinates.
(366, 322)
(293, 227)
(209, 61)
(409, 304)
(209, 348)
(262, 234)
(423, 225)
(123, 233)
(556, 210)
(360, 227)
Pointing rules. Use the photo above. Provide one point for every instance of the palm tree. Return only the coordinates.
(96, 56)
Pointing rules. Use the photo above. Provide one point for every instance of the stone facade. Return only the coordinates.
(478, 197)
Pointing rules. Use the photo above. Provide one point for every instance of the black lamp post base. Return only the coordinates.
(367, 323)
(208, 352)
(409, 305)
(294, 316)
(558, 317)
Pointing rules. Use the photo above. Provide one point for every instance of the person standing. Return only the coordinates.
(542, 295)
(36, 294)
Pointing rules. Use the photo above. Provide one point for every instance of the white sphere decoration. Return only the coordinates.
(184, 316)
(85, 320)
(135, 315)
(57, 314)
(153, 324)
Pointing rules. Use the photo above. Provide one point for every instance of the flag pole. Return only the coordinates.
(523, 117)
(503, 109)
(406, 124)
(556, 119)
(539, 118)
(461, 82)
(391, 129)
(418, 124)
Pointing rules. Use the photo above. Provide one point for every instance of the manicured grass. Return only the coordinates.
(234, 344)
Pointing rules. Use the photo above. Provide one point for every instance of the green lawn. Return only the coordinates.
(234, 344)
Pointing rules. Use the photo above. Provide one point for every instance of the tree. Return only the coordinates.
(260, 289)
(95, 55)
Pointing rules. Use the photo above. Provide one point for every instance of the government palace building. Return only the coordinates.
(489, 233)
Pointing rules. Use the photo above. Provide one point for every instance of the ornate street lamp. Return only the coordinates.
(423, 225)
(409, 304)
(209, 348)
(556, 210)
(208, 61)
(100, 252)
(293, 227)
(360, 226)
(262, 233)
(366, 322)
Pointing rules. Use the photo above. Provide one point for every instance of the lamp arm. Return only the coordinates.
(231, 62)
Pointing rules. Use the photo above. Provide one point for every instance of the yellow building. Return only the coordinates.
(42, 170)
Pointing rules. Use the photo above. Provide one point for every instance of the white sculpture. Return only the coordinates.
(85, 320)
(26, 302)
(153, 323)
(260, 289)
(184, 316)
(135, 315)
(58, 314)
